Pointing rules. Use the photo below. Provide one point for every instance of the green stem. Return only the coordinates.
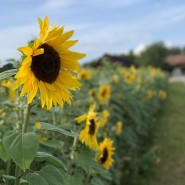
(73, 148)
(24, 129)
(54, 123)
(17, 174)
(8, 164)
(87, 181)
(26, 118)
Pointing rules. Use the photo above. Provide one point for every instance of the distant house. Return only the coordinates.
(177, 62)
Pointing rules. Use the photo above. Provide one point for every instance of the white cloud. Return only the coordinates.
(141, 47)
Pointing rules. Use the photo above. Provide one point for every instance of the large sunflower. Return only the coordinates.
(47, 66)
(89, 132)
(106, 151)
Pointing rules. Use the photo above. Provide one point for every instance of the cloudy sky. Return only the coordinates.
(102, 26)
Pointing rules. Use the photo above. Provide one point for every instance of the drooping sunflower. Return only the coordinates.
(47, 66)
(106, 151)
(88, 134)
(104, 93)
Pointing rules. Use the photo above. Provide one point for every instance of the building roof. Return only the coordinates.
(176, 60)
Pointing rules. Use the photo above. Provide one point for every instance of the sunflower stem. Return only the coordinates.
(7, 171)
(17, 174)
(26, 118)
(54, 123)
(73, 148)
(87, 181)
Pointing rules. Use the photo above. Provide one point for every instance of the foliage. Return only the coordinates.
(50, 152)
(155, 55)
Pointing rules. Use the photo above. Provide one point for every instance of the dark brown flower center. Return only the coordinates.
(92, 127)
(103, 159)
(46, 67)
(104, 92)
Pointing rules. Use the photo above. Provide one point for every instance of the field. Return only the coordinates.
(103, 137)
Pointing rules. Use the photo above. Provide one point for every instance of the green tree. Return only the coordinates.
(155, 55)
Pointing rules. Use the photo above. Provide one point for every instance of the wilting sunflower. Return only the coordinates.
(104, 93)
(89, 132)
(47, 66)
(106, 151)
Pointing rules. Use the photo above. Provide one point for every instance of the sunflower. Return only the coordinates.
(115, 79)
(11, 92)
(149, 94)
(104, 118)
(119, 126)
(162, 94)
(106, 151)
(38, 125)
(104, 93)
(47, 66)
(84, 74)
(129, 77)
(89, 132)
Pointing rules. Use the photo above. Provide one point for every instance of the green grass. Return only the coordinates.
(170, 139)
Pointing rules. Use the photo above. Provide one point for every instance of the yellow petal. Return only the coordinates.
(26, 50)
(70, 55)
(67, 35)
(36, 44)
(38, 52)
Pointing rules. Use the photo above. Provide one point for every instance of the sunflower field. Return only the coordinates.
(65, 125)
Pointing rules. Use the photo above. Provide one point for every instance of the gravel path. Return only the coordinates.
(177, 79)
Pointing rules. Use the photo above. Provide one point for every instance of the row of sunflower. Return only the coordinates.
(101, 137)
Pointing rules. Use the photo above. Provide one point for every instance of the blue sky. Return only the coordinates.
(102, 26)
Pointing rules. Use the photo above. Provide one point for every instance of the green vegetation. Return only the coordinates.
(170, 139)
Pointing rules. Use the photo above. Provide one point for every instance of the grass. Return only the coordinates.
(170, 139)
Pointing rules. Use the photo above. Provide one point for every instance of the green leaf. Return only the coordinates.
(9, 177)
(21, 147)
(85, 159)
(47, 126)
(76, 178)
(7, 74)
(97, 181)
(51, 159)
(51, 175)
(54, 144)
(3, 154)
(35, 178)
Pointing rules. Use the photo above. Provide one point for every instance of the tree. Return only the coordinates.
(155, 55)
